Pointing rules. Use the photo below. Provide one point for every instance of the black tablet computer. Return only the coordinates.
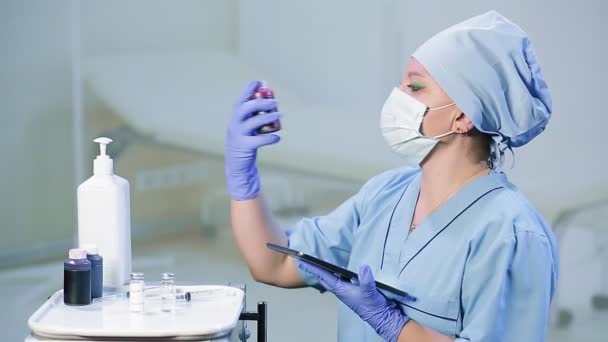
(337, 270)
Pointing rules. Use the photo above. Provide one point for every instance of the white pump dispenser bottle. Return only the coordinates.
(104, 217)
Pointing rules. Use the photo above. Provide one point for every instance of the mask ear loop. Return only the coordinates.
(437, 137)
(439, 108)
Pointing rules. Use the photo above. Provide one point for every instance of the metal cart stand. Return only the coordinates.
(259, 317)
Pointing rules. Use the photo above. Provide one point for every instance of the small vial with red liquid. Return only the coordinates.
(266, 93)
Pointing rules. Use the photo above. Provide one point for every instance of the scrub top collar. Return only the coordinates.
(411, 244)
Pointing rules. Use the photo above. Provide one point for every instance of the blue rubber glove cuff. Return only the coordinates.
(243, 186)
(390, 332)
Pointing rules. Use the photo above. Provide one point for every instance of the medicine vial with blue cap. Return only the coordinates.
(104, 217)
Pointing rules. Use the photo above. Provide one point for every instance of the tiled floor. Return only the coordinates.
(293, 315)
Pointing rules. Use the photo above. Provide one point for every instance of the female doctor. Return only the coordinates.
(477, 261)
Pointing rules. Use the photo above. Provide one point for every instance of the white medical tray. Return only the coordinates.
(212, 313)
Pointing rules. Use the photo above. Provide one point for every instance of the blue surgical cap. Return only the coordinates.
(487, 65)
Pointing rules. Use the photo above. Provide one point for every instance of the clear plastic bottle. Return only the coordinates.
(136, 292)
(167, 288)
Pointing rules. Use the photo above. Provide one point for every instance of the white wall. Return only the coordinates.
(328, 51)
(118, 26)
(36, 203)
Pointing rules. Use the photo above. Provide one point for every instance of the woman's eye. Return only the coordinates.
(414, 86)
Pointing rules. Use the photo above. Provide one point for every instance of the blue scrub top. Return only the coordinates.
(482, 267)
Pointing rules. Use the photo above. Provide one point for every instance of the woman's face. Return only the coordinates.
(418, 83)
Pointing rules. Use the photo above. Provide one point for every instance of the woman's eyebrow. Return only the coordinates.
(415, 73)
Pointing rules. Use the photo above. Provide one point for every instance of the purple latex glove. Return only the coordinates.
(242, 143)
(383, 315)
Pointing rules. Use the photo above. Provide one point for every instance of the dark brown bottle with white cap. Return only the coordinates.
(77, 278)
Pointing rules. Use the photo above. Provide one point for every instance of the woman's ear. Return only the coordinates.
(462, 124)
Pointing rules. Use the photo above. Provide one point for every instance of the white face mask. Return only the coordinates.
(400, 123)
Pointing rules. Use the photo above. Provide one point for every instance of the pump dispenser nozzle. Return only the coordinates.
(103, 143)
(103, 164)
